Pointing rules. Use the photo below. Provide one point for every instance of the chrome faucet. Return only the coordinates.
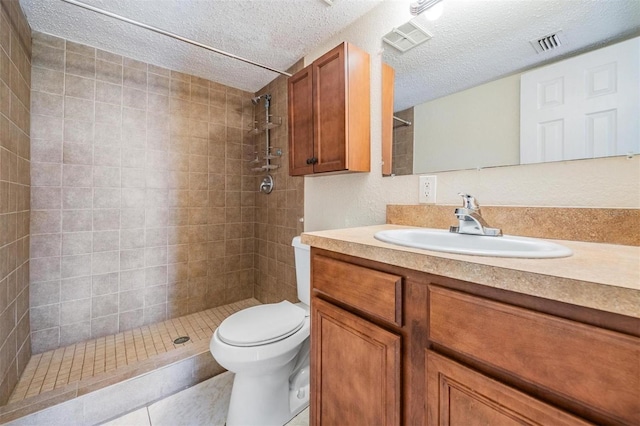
(470, 219)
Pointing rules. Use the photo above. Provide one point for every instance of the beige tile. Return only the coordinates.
(106, 155)
(211, 398)
(46, 151)
(109, 71)
(105, 262)
(76, 243)
(106, 241)
(76, 175)
(135, 78)
(131, 259)
(43, 103)
(134, 98)
(80, 49)
(44, 293)
(79, 87)
(108, 92)
(105, 284)
(139, 417)
(46, 316)
(48, 57)
(76, 220)
(78, 109)
(80, 65)
(106, 219)
(75, 266)
(45, 221)
(75, 288)
(108, 56)
(45, 245)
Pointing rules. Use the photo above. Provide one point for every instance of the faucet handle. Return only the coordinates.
(469, 201)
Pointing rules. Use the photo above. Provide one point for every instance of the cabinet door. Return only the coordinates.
(301, 123)
(457, 395)
(330, 125)
(355, 368)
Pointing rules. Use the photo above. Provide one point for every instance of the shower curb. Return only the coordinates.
(108, 395)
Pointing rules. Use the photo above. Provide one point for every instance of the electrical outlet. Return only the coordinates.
(427, 193)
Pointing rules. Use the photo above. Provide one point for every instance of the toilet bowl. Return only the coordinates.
(267, 347)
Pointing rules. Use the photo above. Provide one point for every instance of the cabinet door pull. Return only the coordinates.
(312, 160)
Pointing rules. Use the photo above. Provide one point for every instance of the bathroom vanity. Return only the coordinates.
(406, 336)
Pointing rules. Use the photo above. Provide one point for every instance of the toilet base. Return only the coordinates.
(266, 399)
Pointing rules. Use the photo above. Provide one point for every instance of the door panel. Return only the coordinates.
(301, 122)
(330, 104)
(355, 369)
(582, 107)
(457, 395)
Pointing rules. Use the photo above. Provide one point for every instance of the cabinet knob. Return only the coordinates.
(312, 160)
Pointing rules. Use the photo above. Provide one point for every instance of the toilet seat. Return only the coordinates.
(261, 325)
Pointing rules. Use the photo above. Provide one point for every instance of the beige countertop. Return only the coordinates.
(600, 276)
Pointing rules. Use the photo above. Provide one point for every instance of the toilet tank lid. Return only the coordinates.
(261, 324)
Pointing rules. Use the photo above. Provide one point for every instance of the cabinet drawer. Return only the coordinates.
(547, 351)
(370, 291)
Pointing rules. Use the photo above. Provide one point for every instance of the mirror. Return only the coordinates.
(462, 84)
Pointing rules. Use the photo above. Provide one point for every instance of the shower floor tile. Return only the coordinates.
(107, 356)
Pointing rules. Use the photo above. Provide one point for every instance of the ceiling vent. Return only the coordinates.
(549, 42)
(407, 36)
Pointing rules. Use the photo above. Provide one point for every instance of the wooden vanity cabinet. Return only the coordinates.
(329, 114)
(458, 395)
(439, 351)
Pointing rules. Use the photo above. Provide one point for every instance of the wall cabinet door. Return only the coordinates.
(329, 114)
(301, 122)
(355, 369)
(457, 395)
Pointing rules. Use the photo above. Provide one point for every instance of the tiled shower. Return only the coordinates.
(139, 206)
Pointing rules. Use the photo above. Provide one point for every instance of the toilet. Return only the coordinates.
(267, 347)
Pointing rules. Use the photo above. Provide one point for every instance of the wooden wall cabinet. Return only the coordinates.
(439, 351)
(329, 114)
(388, 79)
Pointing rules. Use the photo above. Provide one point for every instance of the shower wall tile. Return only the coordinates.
(136, 171)
(16, 105)
(277, 216)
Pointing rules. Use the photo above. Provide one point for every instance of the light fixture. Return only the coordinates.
(434, 12)
(420, 6)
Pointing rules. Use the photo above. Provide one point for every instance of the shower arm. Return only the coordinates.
(172, 35)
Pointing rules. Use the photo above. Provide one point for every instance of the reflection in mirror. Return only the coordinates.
(454, 85)
(402, 157)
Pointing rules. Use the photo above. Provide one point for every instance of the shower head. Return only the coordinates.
(256, 100)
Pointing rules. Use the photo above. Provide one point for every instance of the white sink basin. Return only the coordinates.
(449, 242)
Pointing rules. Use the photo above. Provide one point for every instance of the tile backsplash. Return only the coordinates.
(613, 226)
(142, 206)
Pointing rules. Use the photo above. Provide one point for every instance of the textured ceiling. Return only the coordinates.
(276, 33)
(476, 41)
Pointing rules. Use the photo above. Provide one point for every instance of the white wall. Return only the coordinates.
(477, 127)
(360, 199)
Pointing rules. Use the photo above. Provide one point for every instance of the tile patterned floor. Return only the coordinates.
(103, 356)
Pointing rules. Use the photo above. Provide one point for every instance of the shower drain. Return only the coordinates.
(181, 339)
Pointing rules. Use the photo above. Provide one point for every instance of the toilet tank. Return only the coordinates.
(303, 270)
